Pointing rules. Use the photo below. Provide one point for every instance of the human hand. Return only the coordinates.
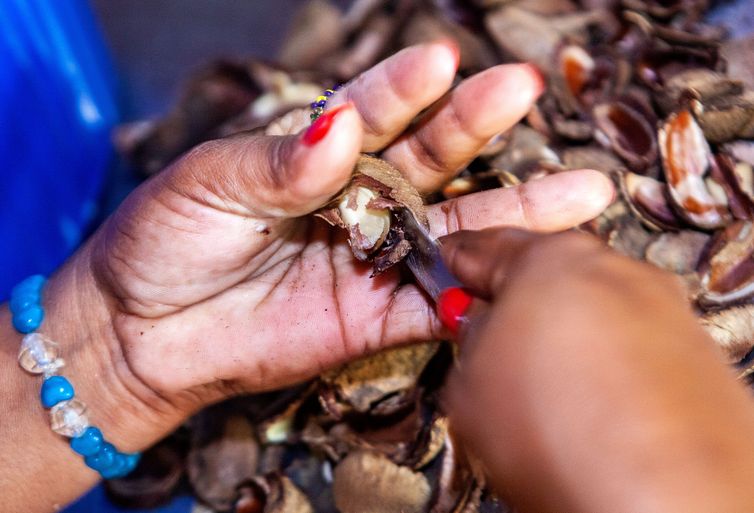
(586, 385)
(218, 282)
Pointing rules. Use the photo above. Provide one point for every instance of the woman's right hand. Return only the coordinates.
(586, 385)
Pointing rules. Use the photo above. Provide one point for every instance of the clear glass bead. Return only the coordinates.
(39, 355)
(69, 418)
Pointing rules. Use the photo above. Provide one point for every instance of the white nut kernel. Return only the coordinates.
(373, 224)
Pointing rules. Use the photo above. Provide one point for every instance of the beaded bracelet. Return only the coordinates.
(318, 105)
(68, 415)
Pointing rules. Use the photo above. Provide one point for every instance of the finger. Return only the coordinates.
(389, 95)
(452, 134)
(483, 260)
(273, 176)
(553, 203)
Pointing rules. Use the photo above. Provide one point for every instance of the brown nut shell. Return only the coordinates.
(366, 482)
(686, 160)
(729, 274)
(648, 199)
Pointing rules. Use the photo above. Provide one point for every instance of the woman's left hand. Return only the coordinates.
(212, 279)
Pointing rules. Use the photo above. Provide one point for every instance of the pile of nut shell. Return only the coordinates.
(645, 91)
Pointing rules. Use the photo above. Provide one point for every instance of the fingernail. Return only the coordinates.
(451, 45)
(539, 79)
(318, 130)
(452, 305)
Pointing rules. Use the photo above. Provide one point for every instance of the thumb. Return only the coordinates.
(273, 176)
(482, 259)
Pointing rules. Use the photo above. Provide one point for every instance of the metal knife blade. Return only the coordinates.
(424, 259)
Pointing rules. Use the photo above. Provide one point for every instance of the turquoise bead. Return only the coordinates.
(122, 465)
(89, 442)
(28, 319)
(117, 469)
(55, 389)
(23, 300)
(33, 283)
(131, 461)
(103, 459)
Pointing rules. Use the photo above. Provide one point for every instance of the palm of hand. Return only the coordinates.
(255, 310)
(219, 283)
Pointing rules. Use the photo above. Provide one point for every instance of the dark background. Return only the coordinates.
(157, 43)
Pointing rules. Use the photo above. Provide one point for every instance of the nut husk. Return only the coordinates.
(729, 273)
(362, 384)
(366, 482)
(363, 209)
(686, 159)
(224, 453)
(678, 252)
(732, 329)
(649, 200)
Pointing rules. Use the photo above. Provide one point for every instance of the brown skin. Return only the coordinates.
(212, 279)
(588, 386)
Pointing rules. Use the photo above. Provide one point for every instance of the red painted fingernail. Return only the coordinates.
(318, 130)
(539, 79)
(452, 305)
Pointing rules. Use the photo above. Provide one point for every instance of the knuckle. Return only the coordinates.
(371, 120)
(203, 154)
(525, 206)
(425, 154)
(453, 217)
(521, 247)
(278, 163)
(451, 250)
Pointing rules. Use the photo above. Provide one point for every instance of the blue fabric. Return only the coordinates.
(96, 502)
(57, 108)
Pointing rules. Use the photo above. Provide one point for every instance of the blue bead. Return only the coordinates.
(55, 389)
(33, 283)
(132, 460)
(89, 442)
(329, 93)
(117, 468)
(23, 300)
(103, 459)
(313, 105)
(122, 465)
(321, 103)
(28, 319)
